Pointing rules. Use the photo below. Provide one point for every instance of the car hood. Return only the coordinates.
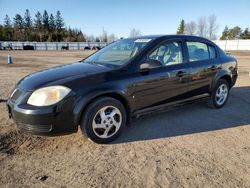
(55, 74)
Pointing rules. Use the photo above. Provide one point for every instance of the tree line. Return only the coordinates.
(43, 27)
(235, 33)
(207, 27)
(52, 28)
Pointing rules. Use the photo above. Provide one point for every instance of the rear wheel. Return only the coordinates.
(104, 120)
(220, 94)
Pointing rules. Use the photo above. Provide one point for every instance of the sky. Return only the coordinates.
(120, 16)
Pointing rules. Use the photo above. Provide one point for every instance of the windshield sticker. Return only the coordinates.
(143, 40)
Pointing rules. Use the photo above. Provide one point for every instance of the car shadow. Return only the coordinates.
(190, 119)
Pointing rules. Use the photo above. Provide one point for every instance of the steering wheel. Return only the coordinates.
(156, 58)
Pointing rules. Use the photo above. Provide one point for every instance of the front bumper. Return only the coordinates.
(51, 120)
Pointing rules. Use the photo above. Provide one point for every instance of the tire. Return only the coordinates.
(218, 102)
(103, 120)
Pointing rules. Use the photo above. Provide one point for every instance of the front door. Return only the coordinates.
(165, 83)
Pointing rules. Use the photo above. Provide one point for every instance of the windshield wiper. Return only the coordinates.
(115, 60)
(99, 63)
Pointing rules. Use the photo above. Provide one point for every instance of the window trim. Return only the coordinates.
(178, 40)
(214, 50)
(207, 44)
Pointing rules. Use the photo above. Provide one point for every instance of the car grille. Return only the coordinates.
(34, 128)
(16, 94)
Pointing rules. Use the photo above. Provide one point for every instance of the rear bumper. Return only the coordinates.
(48, 121)
(234, 78)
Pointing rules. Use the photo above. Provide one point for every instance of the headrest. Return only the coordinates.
(199, 51)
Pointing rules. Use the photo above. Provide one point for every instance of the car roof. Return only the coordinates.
(188, 37)
(147, 37)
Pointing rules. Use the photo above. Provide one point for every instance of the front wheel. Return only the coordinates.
(104, 120)
(220, 94)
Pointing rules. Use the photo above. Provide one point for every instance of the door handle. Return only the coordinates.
(180, 73)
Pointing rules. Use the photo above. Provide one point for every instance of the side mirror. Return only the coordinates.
(144, 67)
(149, 64)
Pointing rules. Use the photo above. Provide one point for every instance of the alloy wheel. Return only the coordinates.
(107, 121)
(221, 94)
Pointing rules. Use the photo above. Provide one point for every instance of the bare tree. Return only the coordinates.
(190, 28)
(112, 37)
(134, 32)
(104, 36)
(212, 27)
(90, 38)
(202, 27)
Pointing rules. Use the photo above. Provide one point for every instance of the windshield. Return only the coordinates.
(118, 53)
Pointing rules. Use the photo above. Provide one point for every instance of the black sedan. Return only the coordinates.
(125, 79)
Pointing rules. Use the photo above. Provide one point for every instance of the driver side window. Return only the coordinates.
(169, 53)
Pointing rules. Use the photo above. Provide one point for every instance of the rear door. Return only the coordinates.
(204, 63)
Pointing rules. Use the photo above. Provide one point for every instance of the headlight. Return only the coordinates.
(48, 95)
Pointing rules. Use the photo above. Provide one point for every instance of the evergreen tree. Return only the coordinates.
(18, 27)
(38, 25)
(59, 26)
(181, 28)
(52, 24)
(245, 34)
(59, 21)
(52, 28)
(7, 21)
(27, 25)
(46, 27)
(230, 34)
(45, 22)
(225, 34)
(7, 31)
(27, 20)
(2, 36)
(235, 33)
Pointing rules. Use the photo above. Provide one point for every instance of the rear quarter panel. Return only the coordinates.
(229, 68)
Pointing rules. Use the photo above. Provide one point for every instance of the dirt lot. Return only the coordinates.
(193, 146)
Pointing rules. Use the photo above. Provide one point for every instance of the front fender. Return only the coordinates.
(83, 101)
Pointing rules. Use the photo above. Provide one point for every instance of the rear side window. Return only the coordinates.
(199, 51)
(212, 52)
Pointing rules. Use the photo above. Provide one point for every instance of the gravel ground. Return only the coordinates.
(193, 146)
